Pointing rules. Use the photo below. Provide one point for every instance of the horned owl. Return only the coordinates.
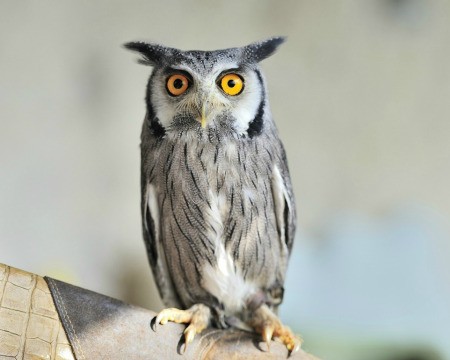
(218, 210)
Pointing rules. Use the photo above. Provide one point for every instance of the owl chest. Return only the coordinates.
(216, 181)
(218, 201)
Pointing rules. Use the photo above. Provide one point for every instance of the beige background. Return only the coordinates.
(360, 93)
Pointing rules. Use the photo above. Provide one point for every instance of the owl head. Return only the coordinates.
(200, 90)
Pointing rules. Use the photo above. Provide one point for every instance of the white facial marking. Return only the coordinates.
(243, 107)
(246, 108)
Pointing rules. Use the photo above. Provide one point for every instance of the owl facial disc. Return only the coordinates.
(201, 90)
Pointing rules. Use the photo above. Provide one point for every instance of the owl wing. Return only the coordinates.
(151, 223)
(153, 242)
(285, 214)
(284, 202)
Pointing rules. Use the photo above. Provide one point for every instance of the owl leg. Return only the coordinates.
(266, 323)
(197, 316)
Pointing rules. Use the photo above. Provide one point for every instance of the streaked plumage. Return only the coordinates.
(217, 204)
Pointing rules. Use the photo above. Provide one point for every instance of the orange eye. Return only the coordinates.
(177, 84)
(232, 84)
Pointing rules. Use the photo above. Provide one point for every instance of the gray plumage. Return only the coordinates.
(217, 204)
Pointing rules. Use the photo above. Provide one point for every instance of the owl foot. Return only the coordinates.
(266, 323)
(197, 316)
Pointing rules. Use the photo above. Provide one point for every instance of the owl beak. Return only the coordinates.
(205, 110)
(203, 119)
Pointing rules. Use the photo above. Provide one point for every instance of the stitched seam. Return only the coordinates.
(60, 302)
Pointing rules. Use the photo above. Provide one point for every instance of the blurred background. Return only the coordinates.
(361, 95)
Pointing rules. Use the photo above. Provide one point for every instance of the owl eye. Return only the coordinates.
(177, 84)
(232, 84)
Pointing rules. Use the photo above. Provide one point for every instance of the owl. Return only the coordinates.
(218, 210)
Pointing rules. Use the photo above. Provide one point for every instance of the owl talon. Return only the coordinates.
(189, 334)
(267, 333)
(184, 348)
(198, 317)
(174, 315)
(265, 322)
(292, 342)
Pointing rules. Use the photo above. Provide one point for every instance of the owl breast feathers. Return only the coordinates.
(217, 205)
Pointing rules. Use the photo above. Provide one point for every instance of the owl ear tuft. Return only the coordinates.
(261, 50)
(152, 54)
